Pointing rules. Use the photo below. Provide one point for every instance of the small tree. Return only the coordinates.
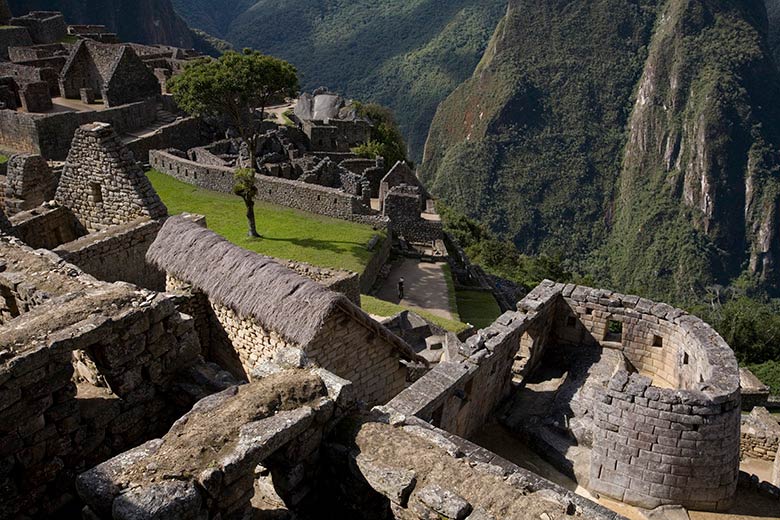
(234, 86)
(246, 188)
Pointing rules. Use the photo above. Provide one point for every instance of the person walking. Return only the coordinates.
(400, 289)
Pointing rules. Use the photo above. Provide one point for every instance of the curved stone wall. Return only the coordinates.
(669, 433)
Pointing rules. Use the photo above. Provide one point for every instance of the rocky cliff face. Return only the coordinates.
(144, 21)
(641, 139)
(773, 10)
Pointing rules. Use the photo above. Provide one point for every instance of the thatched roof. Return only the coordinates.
(254, 286)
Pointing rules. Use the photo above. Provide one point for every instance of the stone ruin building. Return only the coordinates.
(49, 87)
(150, 369)
(247, 388)
(294, 172)
(330, 122)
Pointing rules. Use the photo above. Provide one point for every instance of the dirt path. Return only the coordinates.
(425, 287)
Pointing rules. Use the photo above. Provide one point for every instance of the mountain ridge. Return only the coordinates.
(623, 150)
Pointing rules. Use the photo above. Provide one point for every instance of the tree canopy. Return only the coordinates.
(386, 138)
(234, 86)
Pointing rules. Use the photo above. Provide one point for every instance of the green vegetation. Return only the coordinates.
(501, 257)
(3, 159)
(232, 87)
(385, 309)
(386, 138)
(407, 55)
(71, 38)
(769, 374)
(452, 299)
(478, 308)
(543, 144)
(287, 233)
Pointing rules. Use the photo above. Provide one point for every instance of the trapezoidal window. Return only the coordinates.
(571, 322)
(96, 191)
(686, 360)
(658, 341)
(614, 331)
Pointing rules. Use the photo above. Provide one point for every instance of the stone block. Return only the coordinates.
(394, 483)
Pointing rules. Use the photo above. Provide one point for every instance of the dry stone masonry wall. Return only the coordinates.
(102, 184)
(29, 183)
(52, 423)
(677, 443)
(668, 434)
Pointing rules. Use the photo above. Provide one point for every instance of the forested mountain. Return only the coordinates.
(773, 9)
(641, 140)
(406, 54)
(143, 21)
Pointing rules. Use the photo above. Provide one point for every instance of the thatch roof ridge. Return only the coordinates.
(253, 285)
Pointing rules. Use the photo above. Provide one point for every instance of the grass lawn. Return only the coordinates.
(3, 159)
(385, 309)
(478, 308)
(287, 233)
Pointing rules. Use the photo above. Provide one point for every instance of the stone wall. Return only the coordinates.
(294, 194)
(29, 183)
(674, 444)
(760, 435)
(402, 206)
(51, 135)
(272, 454)
(118, 253)
(46, 226)
(343, 346)
(53, 424)
(184, 132)
(102, 184)
(776, 470)
(130, 81)
(43, 26)
(11, 36)
(670, 433)
(411, 470)
(459, 396)
(377, 262)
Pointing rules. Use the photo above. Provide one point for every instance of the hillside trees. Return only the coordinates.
(386, 137)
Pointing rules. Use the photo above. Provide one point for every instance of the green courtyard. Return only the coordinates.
(287, 233)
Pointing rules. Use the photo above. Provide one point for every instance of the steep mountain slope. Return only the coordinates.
(406, 54)
(641, 137)
(773, 10)
(144, 21)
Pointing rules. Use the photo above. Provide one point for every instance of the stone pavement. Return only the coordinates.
(425, 287)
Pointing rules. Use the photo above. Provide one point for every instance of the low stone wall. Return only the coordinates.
(344, 282)
(118, 254)
(185, 133)
(293, 194)
(760, 435)
(46, 227)
(411, 470)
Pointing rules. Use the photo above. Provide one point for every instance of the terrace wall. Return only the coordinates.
(294, 194)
